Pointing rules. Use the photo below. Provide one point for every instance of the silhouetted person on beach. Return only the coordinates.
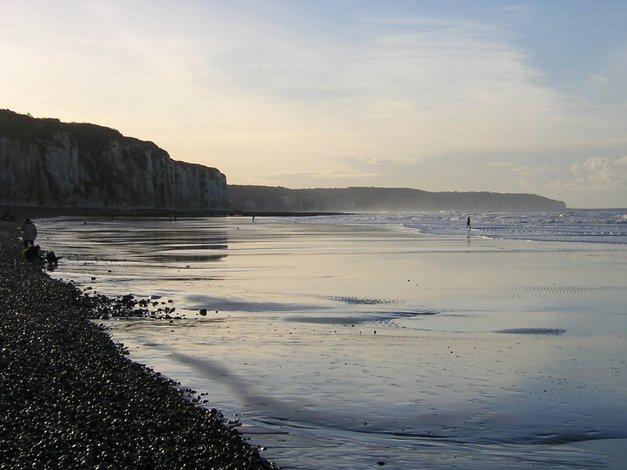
(52, 259)
(468, 225)
(29, 232)
(32, 254)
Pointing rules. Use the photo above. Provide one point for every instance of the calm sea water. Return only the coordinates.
(343, 342)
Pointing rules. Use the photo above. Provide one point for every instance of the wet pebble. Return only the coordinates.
(71, 398)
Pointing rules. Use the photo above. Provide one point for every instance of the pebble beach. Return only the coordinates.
(70, 397)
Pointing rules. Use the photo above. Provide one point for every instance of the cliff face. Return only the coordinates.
(44, 162)
(278, 199)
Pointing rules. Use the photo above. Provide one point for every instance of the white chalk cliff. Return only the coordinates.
(44, 162)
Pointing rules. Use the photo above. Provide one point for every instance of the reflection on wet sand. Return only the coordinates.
(353, 345)
(160, 240)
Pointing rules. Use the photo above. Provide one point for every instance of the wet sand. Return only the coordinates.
(353, 345)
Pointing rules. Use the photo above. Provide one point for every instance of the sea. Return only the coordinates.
(394, 340)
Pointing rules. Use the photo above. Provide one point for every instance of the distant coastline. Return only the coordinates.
(354, 199)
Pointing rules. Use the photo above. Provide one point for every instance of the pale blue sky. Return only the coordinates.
(442, 95)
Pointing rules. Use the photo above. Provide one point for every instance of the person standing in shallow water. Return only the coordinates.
(468, 225)
(29, 232)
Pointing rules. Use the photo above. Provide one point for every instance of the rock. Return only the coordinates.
(85, 165)
(202, 311)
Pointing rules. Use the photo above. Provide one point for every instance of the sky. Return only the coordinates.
(442, 95)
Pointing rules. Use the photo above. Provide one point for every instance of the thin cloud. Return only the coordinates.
(518, 9)
(379, 161)
(318, 175)
(524, 176)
